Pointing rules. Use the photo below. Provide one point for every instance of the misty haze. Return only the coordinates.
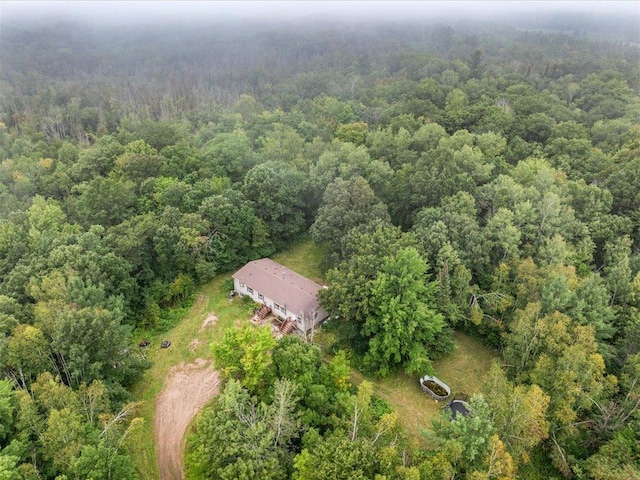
(319, 240)
(132, 12)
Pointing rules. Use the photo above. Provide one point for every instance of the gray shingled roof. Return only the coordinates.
(285, 287)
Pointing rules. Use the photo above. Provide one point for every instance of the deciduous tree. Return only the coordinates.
(346, 204)
(244, 354)
(383, 305)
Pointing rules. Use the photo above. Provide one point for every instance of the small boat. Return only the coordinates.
(435, 387)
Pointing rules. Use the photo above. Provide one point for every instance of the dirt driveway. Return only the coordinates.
(187, 389)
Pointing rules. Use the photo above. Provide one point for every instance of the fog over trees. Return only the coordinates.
(130, 12)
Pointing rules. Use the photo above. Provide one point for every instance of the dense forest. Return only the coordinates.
(457, 176)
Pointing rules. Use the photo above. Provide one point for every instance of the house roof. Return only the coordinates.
(294, 292)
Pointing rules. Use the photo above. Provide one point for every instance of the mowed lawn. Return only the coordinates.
(303, 258)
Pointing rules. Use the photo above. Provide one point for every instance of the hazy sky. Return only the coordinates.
(150, 11)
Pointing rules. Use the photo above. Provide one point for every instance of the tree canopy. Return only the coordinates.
(455, 175)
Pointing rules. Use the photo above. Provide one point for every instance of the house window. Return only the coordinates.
(250, 290)
(261, 296)
(276, 306)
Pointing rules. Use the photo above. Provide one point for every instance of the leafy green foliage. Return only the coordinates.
(382, 304)
(6, 410)
(337, 458)
(405, 326)
(469, 435)
(518, 413)
(506, 161)
(238, 439)
(276, 190)
(237, 234)
(245, 355)
(71, 432)
(346, 204)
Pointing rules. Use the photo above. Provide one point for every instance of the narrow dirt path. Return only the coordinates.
(187, 389)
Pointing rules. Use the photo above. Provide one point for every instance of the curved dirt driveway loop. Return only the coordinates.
(186, 390)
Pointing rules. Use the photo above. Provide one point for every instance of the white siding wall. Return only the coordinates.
(243, 289)
(300, 324)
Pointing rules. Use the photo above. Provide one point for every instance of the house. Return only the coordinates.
(289, 295)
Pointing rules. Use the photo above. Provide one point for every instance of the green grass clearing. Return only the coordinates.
(189, 341)
(463, 370)
(303, 258)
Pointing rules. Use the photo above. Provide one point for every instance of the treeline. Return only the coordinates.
(456, 179)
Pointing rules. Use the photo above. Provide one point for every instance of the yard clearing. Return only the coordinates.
(182, 379)
(463, 370)
(211, 314)
(177, 375)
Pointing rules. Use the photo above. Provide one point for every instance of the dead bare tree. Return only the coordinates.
(308, 328)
